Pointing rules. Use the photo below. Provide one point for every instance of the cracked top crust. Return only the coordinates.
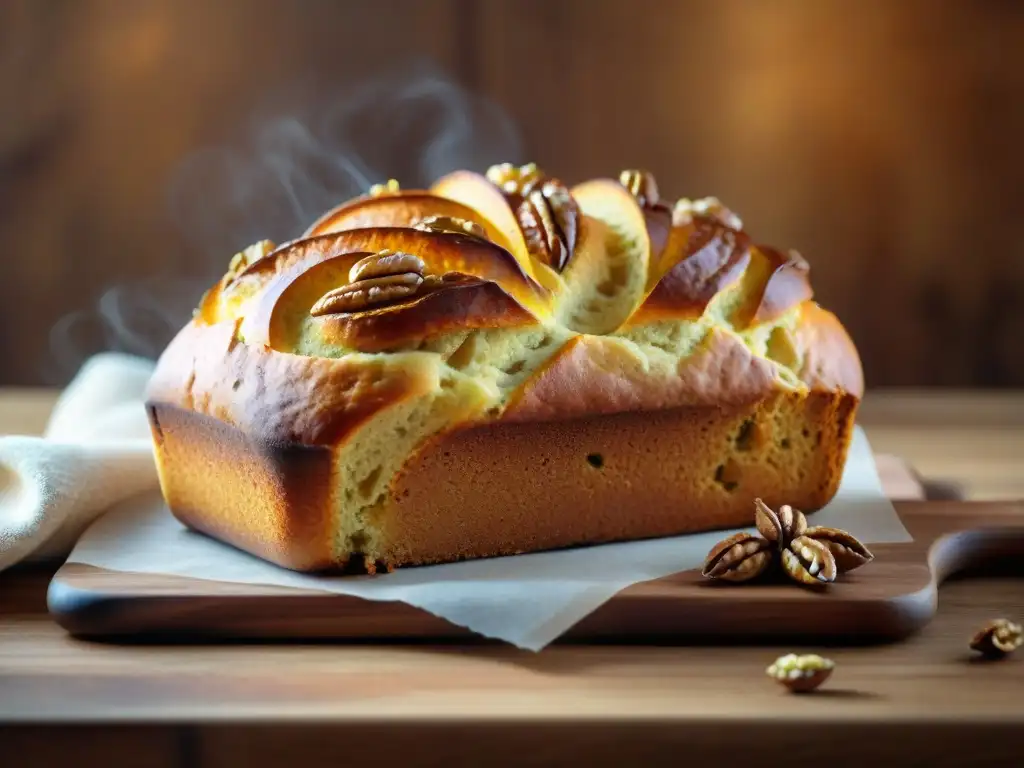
(646, 304)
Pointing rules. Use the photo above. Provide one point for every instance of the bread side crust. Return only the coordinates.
(509, 488)
(271, 500)
(505, 488)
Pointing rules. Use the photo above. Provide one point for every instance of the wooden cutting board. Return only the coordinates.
(886, 600)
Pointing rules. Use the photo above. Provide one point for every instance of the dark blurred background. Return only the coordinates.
(143, 141)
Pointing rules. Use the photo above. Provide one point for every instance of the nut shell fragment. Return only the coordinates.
(794, 523)
(998, 638)
(801, 674)
(808, 561)
(767, 522)
(848, 552)
(780, 527)
(549, 218)
(642, 185)
(740, 557)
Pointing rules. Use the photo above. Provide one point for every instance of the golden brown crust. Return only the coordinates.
(714, 257)
(704, 257)
(601, 375)
(404, 210)
(787, 286)
(272, 500)
(658, 218)
(465, 306)
(463, 302)
(830, 361)
(473, 189)
(278, 398)
(442, 252)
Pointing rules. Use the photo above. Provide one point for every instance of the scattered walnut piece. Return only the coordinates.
(801, 674)
(998, 638)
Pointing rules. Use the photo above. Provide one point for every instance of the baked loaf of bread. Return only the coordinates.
(496, 365)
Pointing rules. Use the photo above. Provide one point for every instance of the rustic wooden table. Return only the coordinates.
(922, 701)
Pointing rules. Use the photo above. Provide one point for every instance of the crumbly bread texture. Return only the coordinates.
(497, 365)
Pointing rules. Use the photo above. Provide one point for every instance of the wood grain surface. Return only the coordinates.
(889, 599)
(922, 701)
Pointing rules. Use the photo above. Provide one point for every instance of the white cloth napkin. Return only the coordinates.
(96, 451)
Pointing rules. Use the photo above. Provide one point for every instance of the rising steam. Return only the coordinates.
(414, 125)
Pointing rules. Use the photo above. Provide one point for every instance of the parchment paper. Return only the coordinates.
(526, 600)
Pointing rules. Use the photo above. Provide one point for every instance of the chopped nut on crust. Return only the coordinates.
(380, 278)
(685, 209)
(642, 185)
(549, 218)
(451, 225)
(390, 187)
(513, 179)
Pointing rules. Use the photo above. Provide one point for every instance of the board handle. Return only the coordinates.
(966, 536)
(976, 549)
